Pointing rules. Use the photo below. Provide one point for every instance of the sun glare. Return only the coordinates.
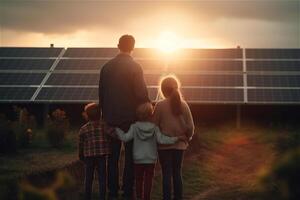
(168, 42)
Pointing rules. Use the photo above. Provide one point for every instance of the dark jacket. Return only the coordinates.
(121, 89)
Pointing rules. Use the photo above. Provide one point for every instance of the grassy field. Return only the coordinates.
(222, 162)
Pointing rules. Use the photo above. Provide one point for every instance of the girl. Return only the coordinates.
(145, 135)
(174, 118)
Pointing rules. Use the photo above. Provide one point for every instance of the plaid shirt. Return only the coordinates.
(92, 140)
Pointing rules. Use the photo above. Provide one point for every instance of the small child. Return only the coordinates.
(145, 135)
(93, 149)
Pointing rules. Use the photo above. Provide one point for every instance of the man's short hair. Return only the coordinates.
(126, 43)
(144, 111)
(92, 111)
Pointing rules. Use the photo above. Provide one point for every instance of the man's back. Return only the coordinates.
(121, 89)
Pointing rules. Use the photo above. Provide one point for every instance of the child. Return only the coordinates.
(145, 135)
(93, 150)
(173, 116)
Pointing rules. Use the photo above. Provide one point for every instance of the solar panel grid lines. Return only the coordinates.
(18, 94)
(273, 53)
(76, 94)
(274, 66)
(25, 64)
(80, 64)
(213, 95)
(210, 79)
(21, 78)
(274, 80)
(288, 95)
(205, 65)
(29, 52)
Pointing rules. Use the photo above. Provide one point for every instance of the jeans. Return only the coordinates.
(171, 165)
(113, 168)
(91, 163)
(143, 180)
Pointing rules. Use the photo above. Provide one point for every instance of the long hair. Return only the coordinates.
(169, 87)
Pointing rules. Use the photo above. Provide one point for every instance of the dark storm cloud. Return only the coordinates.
(68, 16)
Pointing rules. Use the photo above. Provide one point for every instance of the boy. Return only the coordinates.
(93, 149)
(146, 135)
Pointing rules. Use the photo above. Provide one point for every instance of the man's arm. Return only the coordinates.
(140, 88)
(80, 146)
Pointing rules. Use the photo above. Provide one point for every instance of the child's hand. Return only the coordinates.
(183, 138)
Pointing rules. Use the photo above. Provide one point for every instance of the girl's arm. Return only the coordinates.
(188, 118)
(125, 136)
(163, 139)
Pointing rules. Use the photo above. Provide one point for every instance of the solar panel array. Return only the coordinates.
(234, 76)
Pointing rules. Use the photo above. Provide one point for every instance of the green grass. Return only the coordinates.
(198, 175)
(36, 158)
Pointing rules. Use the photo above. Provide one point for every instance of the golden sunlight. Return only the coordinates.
(168, 42)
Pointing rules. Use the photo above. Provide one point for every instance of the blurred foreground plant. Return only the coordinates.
(282, 182)
(57, 127)
(28, 191)
(8, 140)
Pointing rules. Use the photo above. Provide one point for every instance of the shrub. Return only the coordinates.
(57, 126)
(24, 126)
(283, 180)
(8, 140)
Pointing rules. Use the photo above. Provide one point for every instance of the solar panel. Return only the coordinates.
(273, 65)
(274, 80)
(21, 78)
(76, 94)
(16, 93)
(67, 94)
(73, 79)
(206, 75)
(91, 52)
(152, 64)
(274, 95)
(209, 53)
(29, 52)
(89, 79)
(273, 53)
(213, 95)
(26, 64)
(205, 65)
(210, 80)
(80, 64)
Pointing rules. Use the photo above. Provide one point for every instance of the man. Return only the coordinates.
(121, 89)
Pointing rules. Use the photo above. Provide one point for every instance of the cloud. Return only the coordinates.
(59, 17)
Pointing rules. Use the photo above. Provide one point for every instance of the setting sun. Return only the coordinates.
(168, 42)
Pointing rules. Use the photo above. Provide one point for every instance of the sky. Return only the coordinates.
(186, 24)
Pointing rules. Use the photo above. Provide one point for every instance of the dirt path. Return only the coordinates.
(235, 163)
